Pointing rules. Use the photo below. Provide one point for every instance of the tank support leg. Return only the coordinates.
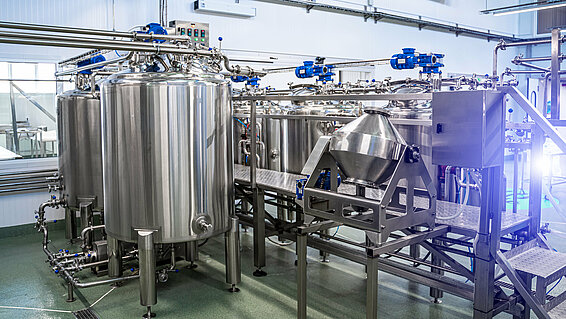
(436, 293)
(191, 254)
(70, 224)
(259, 232)
(233, 259)
(323, 254)
(371, 287)
(115, 266)
(148, 293)
(302, 276)
(70, 292)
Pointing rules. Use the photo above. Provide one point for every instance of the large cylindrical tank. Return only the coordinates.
(168, 163)
(80, 148)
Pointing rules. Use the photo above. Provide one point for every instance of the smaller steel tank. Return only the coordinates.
(80, 148)
(413, 120)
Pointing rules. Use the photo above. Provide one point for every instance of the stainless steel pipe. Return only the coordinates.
(95, 65)
(97, 32)
(125, 46)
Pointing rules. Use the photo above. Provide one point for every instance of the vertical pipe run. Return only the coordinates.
(232, 255)
(148, 294)
(555, 74)
(515, 179)
(115, 266)
(14, 118)
(86, 221)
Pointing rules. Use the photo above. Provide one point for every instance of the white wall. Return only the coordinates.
(282, 29)
(288, 33)
(18, 209)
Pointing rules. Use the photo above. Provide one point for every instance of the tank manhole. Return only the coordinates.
(85, 314)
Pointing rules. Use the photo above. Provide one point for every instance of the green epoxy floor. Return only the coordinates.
(335, 289)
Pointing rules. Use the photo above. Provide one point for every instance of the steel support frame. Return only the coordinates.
(486, 243)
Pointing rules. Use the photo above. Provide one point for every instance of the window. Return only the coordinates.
(27, 110)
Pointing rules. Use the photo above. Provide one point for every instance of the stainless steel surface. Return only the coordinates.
(281, 182)
(537, 117)
(367, 149)
(299, 136)
(469, 219)
(167, 155)
(468, 128)
(555, 73)
(288, 134)
(80, 147)
(232, 256)
(558, 312)
(114, 257)
(539, 262)
(338, 97)
(415, 126)
(146, 251)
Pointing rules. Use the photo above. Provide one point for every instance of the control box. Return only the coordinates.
(196, 31)
(468, 128)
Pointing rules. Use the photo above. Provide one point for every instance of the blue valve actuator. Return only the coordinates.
(93, 60)
(322, 182)
(409, 59)
(309, 69)
(66, 250)
(132, 269)
(154, 28)
(56, 271)
(249, 81)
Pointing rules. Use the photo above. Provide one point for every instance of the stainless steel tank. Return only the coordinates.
(80, 148)
(301, 127)
(168, 163)
(413, 120)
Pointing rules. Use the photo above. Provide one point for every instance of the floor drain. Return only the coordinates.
(85, 314)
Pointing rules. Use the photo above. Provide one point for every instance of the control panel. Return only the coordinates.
(196, 31)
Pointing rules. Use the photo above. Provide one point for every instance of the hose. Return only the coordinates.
(460, 209)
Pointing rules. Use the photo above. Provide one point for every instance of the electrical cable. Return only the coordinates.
(237, 119)
(280, 244)
(204, 242)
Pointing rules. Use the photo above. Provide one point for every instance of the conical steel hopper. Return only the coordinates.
(368, 149)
